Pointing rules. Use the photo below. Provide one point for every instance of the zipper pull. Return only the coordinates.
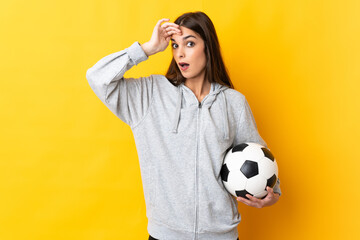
(199, 104)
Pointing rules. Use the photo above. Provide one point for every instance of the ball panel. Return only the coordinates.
(224, 173)
(256, 184)
(254, 144)
(271, 181)
(235, 181)
(268, 154)
(267, 168)
(234, 161)
(261, 194)
(253, 152)
(243, 193)
(228, 186)
(240, 147)
(250, 168)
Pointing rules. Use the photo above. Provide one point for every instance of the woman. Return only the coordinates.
(183, 124)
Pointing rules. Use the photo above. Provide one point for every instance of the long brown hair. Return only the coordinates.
(215, 70)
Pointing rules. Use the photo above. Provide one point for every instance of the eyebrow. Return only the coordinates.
(184, 37)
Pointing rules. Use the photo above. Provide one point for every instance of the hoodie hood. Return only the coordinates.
(216, 90)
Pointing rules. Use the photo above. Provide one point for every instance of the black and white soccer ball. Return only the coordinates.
(248, 168)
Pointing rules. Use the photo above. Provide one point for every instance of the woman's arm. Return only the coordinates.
(129, 98)
(247, 132)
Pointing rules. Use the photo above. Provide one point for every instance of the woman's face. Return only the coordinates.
(189, 48)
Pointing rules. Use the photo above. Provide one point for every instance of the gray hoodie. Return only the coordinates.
(180, 143)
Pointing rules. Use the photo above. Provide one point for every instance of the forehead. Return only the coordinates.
(185, 32)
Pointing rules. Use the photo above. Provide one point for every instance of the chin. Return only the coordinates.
(185, 75)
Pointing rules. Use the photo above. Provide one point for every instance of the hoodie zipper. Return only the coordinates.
(197, 174)
(196, 165)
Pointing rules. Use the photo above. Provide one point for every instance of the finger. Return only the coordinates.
(171, 32)
(270, 192)
(172, 29)
(270, 195)
(243, 200)
(246, 197)
(169, 24)
(162, 20)
(256, 202)
(253, 199)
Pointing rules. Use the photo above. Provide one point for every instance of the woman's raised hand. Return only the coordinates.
(160, 37)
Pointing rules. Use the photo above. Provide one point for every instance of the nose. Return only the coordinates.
(180, 52)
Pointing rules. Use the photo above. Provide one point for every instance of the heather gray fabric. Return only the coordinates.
(181, 144)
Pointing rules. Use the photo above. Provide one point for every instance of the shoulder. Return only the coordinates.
(235, 101)
(161, 82)
(233, 96)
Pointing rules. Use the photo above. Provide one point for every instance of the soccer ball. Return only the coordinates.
(248, 168)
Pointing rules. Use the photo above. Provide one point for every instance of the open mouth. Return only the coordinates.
(184, 66)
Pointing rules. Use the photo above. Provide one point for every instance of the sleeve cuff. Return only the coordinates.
(277, 187)
(136, 53)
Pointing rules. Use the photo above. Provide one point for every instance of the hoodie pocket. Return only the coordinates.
(218, 213)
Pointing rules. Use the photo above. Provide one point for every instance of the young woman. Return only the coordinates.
(183, 124)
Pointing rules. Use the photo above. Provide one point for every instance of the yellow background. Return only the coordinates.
(69, 167)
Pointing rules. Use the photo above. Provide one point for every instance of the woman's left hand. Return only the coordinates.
(270, 199)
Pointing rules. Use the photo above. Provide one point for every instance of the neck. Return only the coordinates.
(200, 89)
(199, 86)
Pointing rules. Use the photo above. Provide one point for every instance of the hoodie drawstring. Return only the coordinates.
(224, 110)
(225, 117)
(178, 108)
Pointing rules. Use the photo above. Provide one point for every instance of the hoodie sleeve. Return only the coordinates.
(128, 98)
(247, 132)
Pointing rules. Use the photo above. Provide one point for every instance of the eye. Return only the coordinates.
(191, 42)
(187, 42)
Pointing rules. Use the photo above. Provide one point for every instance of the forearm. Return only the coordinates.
(147, 49)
